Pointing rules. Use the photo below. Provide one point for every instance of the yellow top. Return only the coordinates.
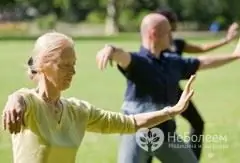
(46, 139)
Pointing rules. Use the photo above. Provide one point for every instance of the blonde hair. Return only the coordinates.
(45, 49)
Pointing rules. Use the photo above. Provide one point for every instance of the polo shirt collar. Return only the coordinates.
(145, 52)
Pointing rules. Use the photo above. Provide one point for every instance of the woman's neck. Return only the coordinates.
(48, 93)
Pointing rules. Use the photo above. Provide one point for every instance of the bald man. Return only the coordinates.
(179, 46)
(152, 83)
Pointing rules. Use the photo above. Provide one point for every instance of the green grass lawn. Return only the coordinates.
(216, 95)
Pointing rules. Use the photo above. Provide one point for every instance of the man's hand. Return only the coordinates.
(13, 114)
(109, 53)
(232, 32)
(104, 56)
(183, 102)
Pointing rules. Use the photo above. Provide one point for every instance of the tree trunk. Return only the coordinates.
(111, 24)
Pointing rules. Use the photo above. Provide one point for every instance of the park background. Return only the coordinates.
(92, 24)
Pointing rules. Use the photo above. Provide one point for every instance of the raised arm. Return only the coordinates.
(196, 49)
(207, 62)
(13, 113)
(111, 122)
(131, 65)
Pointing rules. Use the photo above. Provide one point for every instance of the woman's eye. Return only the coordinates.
(64, 66)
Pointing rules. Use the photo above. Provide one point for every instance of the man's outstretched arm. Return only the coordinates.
(207, 62)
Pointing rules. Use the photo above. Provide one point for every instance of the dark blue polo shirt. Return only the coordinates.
(177, 48)
(154, 81)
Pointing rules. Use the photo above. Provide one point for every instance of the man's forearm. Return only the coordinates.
(121, 57)
(207, 62)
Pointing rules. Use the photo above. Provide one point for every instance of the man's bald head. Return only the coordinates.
(156, 31)
(152, 21)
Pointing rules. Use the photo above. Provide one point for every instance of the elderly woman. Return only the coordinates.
(48, 128)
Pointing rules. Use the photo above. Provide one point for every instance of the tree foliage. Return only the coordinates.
(202, 12)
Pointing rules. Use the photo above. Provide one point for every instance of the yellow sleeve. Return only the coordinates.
(109, 122)
(102, 121)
